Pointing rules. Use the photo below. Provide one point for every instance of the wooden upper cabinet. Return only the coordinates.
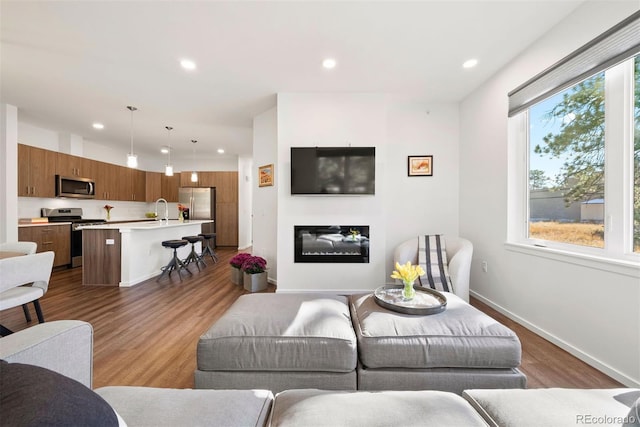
(107, 180)
(68, 165)
(137, 183)
(153, 189)
(169, 187)
(36, 172)
(185, 180)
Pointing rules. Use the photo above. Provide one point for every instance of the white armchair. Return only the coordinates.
(32, 270)
(459, 252)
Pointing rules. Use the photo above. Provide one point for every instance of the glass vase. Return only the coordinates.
(408, 292)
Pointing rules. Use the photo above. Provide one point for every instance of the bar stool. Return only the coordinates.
(175, 263)
(206, 247)
(193, 256)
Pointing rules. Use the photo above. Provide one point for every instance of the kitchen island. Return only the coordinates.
(125, 254)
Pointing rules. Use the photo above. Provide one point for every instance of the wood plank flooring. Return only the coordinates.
(146, 335)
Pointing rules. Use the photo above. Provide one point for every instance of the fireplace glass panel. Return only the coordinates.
(332, 243)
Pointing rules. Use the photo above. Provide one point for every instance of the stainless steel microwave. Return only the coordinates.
(79, 188)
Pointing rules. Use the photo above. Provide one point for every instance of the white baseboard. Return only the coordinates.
(588, 359)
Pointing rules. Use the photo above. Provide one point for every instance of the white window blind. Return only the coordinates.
(613, 46)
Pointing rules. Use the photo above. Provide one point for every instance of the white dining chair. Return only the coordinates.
(24, 279)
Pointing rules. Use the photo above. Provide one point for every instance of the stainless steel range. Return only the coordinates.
(74, 216)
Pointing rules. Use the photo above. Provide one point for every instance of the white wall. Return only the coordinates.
(402, 207)
(265, 199)
(8, 173)
(592, 313)
(245, 202)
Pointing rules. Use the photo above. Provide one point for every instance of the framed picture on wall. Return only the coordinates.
(420, 166)
(265, 175)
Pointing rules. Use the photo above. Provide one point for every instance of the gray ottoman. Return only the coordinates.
(457, 349)
(308, 408)
(278, 342)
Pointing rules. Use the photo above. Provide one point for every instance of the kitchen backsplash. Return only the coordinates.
(29, 207)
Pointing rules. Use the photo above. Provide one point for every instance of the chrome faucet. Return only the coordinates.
(166, 209)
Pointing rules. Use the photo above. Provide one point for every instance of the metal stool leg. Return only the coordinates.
(174, 264)
(194, 257)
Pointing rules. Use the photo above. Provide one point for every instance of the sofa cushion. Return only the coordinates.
(293, 408)
(281, 332)
(149, 406)
(31, 395)
(553, 406)
(459, 337)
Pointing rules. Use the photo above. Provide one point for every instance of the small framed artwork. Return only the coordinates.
(265, 175)
(420, 166)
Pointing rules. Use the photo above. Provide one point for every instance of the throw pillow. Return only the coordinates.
(35, 396)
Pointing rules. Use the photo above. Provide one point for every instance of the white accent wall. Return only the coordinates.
(591, 312)
(402, 207)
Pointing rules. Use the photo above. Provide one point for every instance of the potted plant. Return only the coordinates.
(236, 268)
(255, 273)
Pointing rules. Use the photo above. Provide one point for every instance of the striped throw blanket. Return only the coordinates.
(433, 260)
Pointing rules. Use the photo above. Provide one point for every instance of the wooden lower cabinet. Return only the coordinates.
(50, 237)
(101, 260)
(227, 224)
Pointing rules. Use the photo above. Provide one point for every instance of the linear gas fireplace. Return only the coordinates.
(331, 243)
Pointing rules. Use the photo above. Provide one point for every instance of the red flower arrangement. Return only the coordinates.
(182, 208)
(254, 265)
(239, 259)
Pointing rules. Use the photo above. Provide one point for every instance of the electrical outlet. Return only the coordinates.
(110, 242)
(485, 267)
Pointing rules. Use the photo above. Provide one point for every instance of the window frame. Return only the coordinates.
(617, 253)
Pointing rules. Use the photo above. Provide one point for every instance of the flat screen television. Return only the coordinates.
(333, 170)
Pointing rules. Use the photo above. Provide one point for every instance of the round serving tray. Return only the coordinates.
(426, 301)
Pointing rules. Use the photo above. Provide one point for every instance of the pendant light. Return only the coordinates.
(132, 159)
(194, 174)
(168, 169)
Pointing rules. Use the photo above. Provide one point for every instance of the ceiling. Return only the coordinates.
(67, 64)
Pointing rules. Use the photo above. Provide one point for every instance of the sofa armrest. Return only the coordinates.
(64, 346)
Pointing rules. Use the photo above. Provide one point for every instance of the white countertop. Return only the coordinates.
(145, 225)
(43, 224)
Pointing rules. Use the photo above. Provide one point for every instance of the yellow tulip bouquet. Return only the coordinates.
(408, 274)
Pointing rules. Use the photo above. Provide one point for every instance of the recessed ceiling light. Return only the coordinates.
(470, 63)
(188, 64)
(164, 150)
(220, 150)
(329, 63)
(98, 126)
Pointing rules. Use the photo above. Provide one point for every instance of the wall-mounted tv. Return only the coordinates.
(333, 170)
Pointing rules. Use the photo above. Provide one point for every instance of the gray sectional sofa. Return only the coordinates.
(64, 348)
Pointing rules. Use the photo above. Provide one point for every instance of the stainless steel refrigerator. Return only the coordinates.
(202, 205)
